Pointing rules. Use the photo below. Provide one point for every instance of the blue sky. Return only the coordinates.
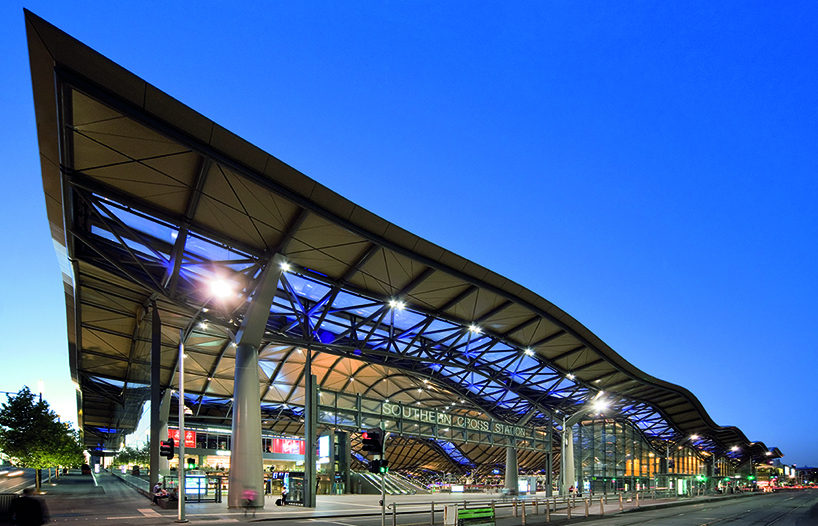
(649, 167)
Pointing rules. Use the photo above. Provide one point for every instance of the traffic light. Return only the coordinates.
(372, 441)
(166, 448)
(379, 466)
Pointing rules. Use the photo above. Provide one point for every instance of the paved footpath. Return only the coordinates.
(105, 499)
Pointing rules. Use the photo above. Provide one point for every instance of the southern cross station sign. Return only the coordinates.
(357, 412)
(436, 417)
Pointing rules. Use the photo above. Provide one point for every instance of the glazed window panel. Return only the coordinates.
(371, 406)
(347, 402)
(585, 445)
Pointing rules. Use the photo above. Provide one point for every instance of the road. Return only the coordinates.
(13, 481)
(107, 500)
(799, 508)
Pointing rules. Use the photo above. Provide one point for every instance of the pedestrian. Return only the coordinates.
(284, 496)
(158, 492)
(28, 511)
(249, 497)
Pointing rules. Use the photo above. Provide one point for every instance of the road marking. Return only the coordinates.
(362, 505)
(147, 512)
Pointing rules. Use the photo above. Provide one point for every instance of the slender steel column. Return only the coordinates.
(512, 470)
(246, 464)
(549, 476)
(310, 429)
(156, 394)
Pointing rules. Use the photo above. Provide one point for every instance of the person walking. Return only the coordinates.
(249, 496)
(28, 511)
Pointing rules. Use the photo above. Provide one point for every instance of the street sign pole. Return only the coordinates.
(383, 476)
(181, 469)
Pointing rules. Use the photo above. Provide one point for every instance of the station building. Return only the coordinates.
(302, 317)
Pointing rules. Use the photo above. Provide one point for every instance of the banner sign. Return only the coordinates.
(288, 446)
(190, 437)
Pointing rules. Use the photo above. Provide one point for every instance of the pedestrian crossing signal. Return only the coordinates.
(372, 441)
(379, 466)
(166, 448)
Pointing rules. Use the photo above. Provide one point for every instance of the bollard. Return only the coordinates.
(654, 494)
(605, 496)
(637, 499)
(602, 506)
(547, 512)
(492, 507)
(574, 500)
(394, 514)
(586, 508)
(514, 507)
(621, 507)
(536, 507)
(433, 513)
(568, 510)
(522, 503)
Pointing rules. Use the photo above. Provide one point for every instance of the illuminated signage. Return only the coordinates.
(288, 446)
(323, 449)
(190, 437)
(446, 419)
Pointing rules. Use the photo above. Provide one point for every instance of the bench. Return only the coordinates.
(167, 504)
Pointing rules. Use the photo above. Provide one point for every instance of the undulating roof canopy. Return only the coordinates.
(149, 203)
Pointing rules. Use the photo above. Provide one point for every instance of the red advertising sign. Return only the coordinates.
(190, 437)
(288, 446)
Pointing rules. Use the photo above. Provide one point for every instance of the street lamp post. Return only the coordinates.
(218, 289)
(181, 469)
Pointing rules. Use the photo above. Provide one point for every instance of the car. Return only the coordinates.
(86, 469)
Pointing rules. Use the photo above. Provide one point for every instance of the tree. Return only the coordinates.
(132, 455)
(32, 436)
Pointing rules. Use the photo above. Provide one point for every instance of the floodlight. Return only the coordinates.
(220, 288)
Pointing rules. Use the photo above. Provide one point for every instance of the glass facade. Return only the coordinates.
(612, 456)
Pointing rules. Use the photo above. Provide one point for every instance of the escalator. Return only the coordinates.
(394, 485)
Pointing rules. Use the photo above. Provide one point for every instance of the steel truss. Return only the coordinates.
(488, 372)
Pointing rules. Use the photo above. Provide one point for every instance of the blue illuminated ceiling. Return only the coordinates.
(150, 203)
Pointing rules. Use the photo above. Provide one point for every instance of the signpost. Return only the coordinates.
(181, 469)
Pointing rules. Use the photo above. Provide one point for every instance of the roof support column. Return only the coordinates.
(512, 470)
(549, 457)
(567, 473)
(310, 431)
(164, 415)
(156, 394)
(246, 464)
